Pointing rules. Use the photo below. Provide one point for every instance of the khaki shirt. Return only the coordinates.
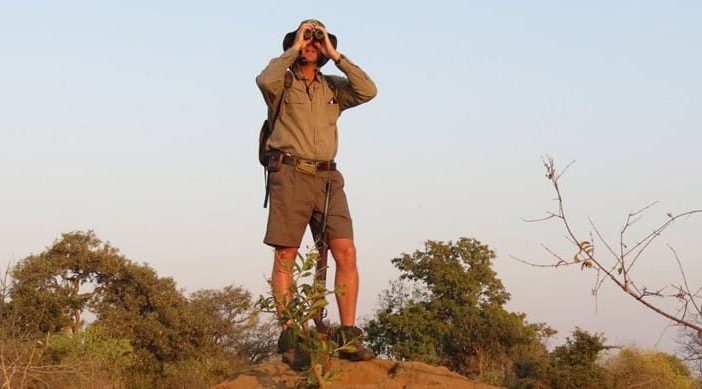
(306, 123)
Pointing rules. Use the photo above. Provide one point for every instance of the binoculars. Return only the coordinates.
(314, 34)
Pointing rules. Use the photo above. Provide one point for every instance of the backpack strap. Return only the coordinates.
(271, 126)
(286, 85)
(288, 80)
(330, 82)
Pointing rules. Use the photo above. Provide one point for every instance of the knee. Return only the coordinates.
(285, 253)
(345, 256)
(284, 258)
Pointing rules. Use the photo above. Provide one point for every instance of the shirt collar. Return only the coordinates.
(298, 74)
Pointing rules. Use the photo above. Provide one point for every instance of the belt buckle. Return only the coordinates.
(306, 167)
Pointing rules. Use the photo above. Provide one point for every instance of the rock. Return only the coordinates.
(377, 373)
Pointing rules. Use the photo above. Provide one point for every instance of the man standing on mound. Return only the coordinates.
(303, 108)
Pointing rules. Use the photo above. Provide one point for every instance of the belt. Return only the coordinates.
(308, 166)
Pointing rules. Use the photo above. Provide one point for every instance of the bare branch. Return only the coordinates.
(536, 264)
(645, 242)
(619, 273)
(603, 240)
(551, 215)
(644, 209)
(697, 293)
(561, 261)
(555, 176)
(618, 265)
(687, 286)
(636, 215)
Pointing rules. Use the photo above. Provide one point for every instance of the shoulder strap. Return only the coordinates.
(286, 86)
(330, 82)
(288, 79)
(271, 127)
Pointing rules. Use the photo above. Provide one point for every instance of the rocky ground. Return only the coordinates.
(359, 375)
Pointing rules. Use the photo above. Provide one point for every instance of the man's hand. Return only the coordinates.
(326, 47)
(300, 40)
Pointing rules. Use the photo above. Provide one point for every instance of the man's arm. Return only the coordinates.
(272, 78)
(357, 88)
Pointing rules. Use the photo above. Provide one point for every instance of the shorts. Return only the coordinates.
(297, 200)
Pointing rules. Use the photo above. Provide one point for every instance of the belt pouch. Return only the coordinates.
(275, 159)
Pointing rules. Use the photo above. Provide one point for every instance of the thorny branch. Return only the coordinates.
(625, 258)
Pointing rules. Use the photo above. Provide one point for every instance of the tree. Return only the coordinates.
(136, 304)
(216, 329)
(7, 321)
(79, 273)
(691, 348)
(575, 364)
(634, 368)
(230, 324)
(447, 307)
(50, 291)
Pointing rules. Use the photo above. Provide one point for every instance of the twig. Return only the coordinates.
(645, 242)
(316, 370)
(551, 215)
(6, 383)
(637, 215)
(603, 240)
(687, 286)
(531, 263)
(645, 383)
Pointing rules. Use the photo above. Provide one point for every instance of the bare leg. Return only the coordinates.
(281, 279)
(346, 279)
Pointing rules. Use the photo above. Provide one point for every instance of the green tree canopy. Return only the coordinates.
(447, 307)
(575, 364)
(52, 291)
(79, 273)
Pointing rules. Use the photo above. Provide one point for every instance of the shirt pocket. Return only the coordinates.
(295, 96)
(331, 113)
(297, 107)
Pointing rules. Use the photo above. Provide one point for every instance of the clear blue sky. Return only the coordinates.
(139, 120)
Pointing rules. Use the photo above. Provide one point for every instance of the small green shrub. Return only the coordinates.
(307, 301)
(115, 356)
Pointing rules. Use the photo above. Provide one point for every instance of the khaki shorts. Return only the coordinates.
(297, 200)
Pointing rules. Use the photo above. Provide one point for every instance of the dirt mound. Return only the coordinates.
(360, 375)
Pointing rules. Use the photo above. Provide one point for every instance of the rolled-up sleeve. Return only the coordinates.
(272, 77)
(359, 88)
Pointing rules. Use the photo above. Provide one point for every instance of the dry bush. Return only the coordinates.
(22, 365)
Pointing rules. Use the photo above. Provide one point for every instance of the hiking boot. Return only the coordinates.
(292, 355)
(297, 359)
(350, 340)
(285, 341)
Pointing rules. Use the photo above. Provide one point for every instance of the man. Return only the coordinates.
(303, 109)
